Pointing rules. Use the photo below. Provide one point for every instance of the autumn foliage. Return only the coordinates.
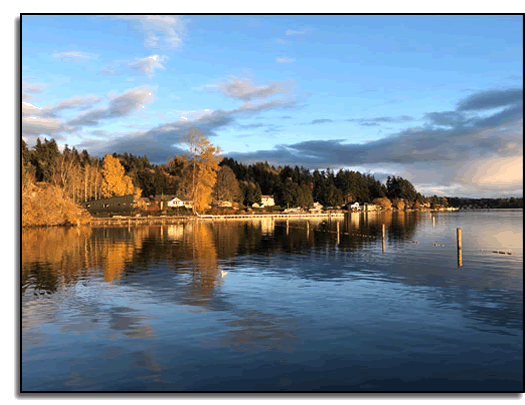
(383, 202)
(46, 204)
(115, 182)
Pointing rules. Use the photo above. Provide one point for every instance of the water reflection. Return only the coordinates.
(118, 281)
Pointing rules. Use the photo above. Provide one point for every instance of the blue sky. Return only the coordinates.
(435, 99)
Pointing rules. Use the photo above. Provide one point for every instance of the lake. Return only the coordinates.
(262, 306)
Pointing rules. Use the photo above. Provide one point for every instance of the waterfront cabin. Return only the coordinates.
(175, 202)
(267, 201)
(318, 207)
(353, 207)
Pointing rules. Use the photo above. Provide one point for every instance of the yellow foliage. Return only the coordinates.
(45, 204)
(205, 160)
(117, 255)
(206, 266)
(115, 182)
(384, 202)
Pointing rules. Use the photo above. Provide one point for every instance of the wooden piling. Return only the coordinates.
(307, 229)
(384, 236)
(287, 227)
(433, 221)
(460, 250)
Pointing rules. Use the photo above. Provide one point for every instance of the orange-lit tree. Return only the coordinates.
(204, 163)
(115, 182)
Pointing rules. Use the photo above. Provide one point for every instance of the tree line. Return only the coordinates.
(205, 177)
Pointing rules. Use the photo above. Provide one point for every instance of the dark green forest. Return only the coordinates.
(78, 174)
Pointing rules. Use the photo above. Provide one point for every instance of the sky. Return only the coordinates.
(436, 99)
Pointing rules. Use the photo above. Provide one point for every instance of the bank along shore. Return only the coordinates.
(121, 220)
(71, 215)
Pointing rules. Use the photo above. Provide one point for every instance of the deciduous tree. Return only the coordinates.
(115, 182)
(205, 160)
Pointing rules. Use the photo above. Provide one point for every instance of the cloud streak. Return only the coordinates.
(284, 60)
(163, 141)
(149, 64)
(486, 100)
(298, 32)
(160, 31)
(120, 106)
(74, 55)
(318, 121)
(246, 90)
(381, 120)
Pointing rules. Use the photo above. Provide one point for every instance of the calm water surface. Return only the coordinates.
(148, 308)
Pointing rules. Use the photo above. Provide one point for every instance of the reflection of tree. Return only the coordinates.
(57, 257)
(60, 256)
(227, 236)
(116, 256)
(205, 265)
(51, 256)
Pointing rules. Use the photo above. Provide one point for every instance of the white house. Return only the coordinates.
(267, 201)
(318, 207)
(180, 202)
(175, 203)
(354, 206)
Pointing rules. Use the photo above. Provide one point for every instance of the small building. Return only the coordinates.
(175, 202)
(187, 203)
(353, 206)
(124, 203)
(318, 207)
(267, 201)
(225, 204)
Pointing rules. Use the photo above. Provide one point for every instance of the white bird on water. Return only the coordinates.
(224, 273)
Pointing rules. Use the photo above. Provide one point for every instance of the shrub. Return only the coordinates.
(45, 205)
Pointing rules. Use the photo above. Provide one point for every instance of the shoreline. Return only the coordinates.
(121, 220)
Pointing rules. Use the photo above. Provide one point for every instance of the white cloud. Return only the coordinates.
(301, 32)
(81, 102)
(497, 172)
(76, 102)
(30, 109)
(74, 55)
(109, 71)
(148, 64)
(33, 87)
(160, 31)
(280, 41)
(284, 60)
(33, 125)
(245, 89)
(120, 106)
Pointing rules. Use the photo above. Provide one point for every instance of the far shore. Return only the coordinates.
(166, 219)
(173, 219)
